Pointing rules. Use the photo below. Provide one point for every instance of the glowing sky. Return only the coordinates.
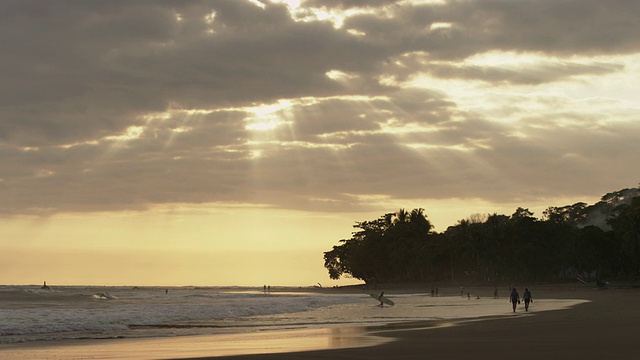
(232, 142)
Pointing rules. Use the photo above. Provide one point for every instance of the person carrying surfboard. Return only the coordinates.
(382, 299)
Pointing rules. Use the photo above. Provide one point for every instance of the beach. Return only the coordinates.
(587, 324)
(606, 327)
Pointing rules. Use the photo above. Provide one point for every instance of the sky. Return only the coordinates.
(232, 142)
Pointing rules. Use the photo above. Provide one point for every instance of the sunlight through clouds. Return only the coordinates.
(439, 25)
(341, 76)
(266, 117)
(132, 133)
(314, 112)
(258, 3)
(335, 16)
(511, 102)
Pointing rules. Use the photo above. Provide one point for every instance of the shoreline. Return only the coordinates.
(603, 327)
(324, 342)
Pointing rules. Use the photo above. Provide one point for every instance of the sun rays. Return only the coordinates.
(420, 118)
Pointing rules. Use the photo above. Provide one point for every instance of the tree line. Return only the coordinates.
(402, 247)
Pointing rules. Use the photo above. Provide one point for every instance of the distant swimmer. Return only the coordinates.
(527, 299)
(45, 286)
(514, 299)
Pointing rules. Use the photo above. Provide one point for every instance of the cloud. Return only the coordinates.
(127, 105)
(561, 28)
(539, 72)
(347, 4)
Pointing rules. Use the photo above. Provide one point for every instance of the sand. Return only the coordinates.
(607, 327)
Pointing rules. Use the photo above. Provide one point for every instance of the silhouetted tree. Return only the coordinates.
(402, 246)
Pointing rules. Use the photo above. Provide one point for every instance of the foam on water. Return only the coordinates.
(84, 312)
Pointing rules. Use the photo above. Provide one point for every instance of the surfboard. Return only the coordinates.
(383, 299)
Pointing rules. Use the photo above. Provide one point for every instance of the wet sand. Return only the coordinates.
(606, 327)
(192, 346)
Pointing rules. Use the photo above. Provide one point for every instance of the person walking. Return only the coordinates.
(527, 299)
(514, 298)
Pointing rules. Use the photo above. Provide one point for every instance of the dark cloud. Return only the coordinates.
(128, 59)
(552, 27)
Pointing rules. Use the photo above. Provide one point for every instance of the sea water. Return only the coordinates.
(30, 314)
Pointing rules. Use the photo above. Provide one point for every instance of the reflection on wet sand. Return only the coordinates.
(195, 346)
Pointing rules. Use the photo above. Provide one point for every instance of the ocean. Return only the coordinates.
(30, 315)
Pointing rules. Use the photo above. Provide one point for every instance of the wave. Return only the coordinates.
(104, 296)
(102, 312)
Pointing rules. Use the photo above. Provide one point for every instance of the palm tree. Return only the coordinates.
(402, 216)
(419, 221)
